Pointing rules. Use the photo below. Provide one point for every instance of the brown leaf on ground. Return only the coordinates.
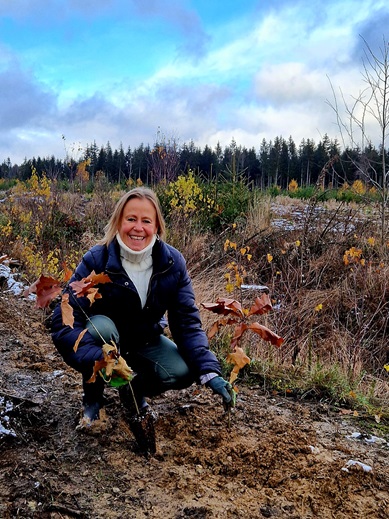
(95, 428)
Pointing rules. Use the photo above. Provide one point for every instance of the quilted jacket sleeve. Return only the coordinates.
(186, 327)
(65, 337)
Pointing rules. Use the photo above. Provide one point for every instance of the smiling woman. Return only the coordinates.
(139, 224)
(148, 280)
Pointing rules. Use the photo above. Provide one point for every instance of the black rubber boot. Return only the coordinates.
(93, 398)
(140, 418)
(142, 427)
(131, 397)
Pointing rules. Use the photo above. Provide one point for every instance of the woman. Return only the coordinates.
(149, 280)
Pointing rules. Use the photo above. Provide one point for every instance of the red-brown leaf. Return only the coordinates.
(46, 289)
(80, 287)
(83, 287)
(98, 279)
(214, 329)
(218, 324)
(238, 332)
(224, 306)
(67, 273)
(261, 305)
(266, 334)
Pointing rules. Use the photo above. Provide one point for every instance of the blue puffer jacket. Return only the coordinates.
(170, 291)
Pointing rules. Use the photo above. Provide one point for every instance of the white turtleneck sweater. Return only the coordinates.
(138, 265)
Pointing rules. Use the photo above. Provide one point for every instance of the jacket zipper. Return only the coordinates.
(158, 274)
(151, 279)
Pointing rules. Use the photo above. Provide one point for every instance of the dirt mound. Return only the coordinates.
(275, 457)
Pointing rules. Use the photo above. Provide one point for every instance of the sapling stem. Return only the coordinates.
(133, 396)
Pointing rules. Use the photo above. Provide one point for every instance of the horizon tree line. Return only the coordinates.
(274, 163)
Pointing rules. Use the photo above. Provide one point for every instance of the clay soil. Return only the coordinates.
(278, 457)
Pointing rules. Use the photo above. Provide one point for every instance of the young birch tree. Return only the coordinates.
(370, 109)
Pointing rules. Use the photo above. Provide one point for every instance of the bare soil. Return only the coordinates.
(278, 457)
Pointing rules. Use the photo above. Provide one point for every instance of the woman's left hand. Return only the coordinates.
(222, 387)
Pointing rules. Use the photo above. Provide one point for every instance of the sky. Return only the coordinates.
(126, 72)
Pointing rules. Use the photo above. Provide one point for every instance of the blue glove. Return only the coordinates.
(223, 388)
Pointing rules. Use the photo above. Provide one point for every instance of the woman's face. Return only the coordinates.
(138, 224)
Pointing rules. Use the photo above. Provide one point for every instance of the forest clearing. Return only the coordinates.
(309, 435)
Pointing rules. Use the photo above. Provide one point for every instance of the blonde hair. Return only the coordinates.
(143, 193)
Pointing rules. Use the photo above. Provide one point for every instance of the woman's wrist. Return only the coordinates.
(207, 377)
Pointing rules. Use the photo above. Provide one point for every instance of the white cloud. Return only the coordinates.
(247, 78)
(289, 83)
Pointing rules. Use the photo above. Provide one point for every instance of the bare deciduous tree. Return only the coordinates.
(370, 107)
(164, 159)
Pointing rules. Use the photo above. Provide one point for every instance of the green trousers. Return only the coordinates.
(158, 365)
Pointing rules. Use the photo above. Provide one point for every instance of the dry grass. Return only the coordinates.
(330, 314)
(333, 316)
(258, 216)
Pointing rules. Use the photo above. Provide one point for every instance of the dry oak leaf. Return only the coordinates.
(214, 329)
(46, 289)
(67, 273)
(112, 363)
(261, 305)
(79, 338)
(266, 334)
(218, 324)
(239, 359)
(67, 311)
(82, 287)
(93, 294)
(225, 306)
(262, 331)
